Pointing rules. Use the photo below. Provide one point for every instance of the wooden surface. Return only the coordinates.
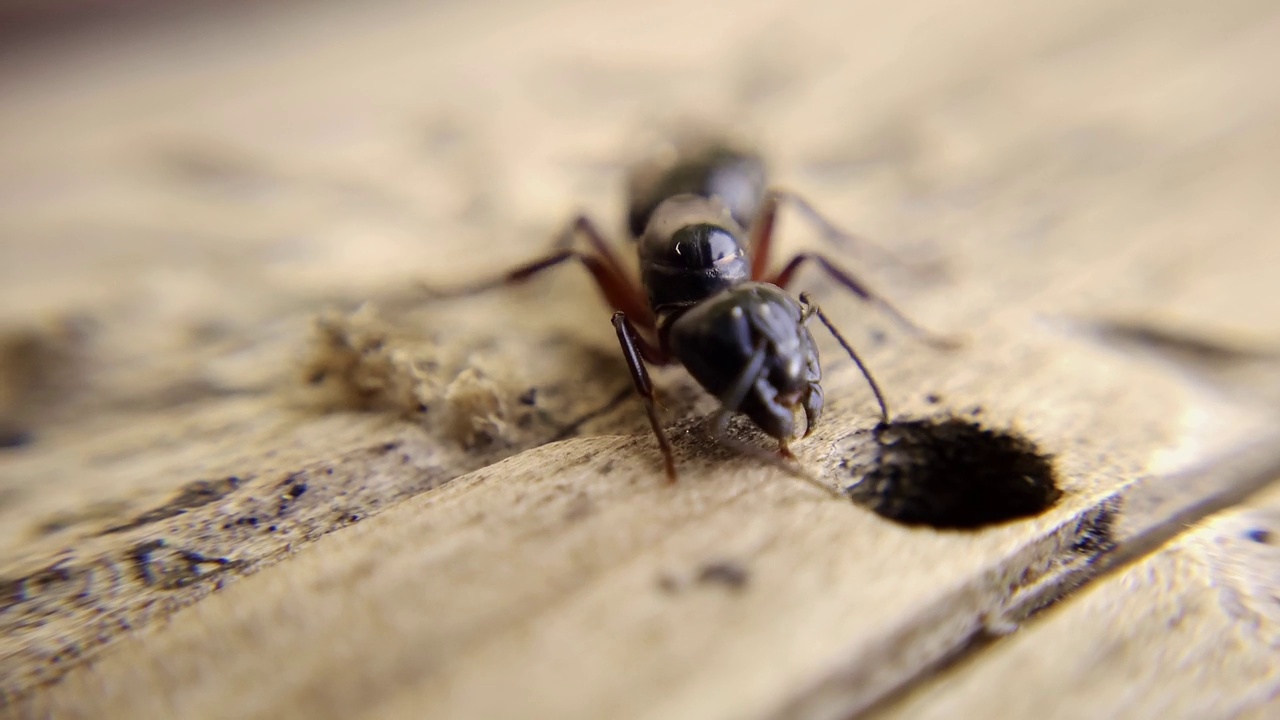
(244, 493)
(1189, 632)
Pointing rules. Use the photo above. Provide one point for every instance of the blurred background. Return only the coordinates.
(156, 155)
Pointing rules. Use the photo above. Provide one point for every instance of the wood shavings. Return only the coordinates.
(365, 365)
(478, 411)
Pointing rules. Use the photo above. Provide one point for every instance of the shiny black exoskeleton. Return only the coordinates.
(759, 331)
(703, 219)
(737, 337)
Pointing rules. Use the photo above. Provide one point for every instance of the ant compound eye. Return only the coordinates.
(700, 246)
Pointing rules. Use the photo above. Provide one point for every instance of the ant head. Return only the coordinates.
(749, 346)
(692, 233)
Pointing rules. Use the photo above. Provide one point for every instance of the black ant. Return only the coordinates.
(705, 297)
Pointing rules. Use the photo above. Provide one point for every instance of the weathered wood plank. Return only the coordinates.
(545, 587)
(1079, 170)
(1189, 632)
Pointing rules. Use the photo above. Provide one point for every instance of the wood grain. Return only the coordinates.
(1189, 632)
(1076, 188)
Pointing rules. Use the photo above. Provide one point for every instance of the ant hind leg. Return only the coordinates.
(762, 231)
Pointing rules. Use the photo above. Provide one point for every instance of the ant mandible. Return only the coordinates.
(705, 297)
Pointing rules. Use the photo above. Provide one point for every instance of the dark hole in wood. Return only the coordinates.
(950, 473)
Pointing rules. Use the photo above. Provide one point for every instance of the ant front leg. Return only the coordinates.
(731, 402)
(636, 351)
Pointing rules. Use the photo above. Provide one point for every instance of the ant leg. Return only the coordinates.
(729, 404)
(636, 351)
(811, 309)
(583, 226)
(618, 291)
(737, 392)
(762, 231)
(761, 238)
(785, 276)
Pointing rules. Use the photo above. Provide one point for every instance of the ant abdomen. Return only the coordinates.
(735, 176)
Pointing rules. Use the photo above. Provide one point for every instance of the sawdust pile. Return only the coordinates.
(360, 361)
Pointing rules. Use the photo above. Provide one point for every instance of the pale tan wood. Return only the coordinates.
(1189, 632)
(1100, 162)
(1265, 710)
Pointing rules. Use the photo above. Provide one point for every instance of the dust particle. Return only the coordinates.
(729, 574)
(668, 583)
(43, 367)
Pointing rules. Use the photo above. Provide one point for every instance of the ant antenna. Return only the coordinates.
(729, 404)
(811, 308)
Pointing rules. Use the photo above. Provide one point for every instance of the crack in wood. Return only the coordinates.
(190, 496)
